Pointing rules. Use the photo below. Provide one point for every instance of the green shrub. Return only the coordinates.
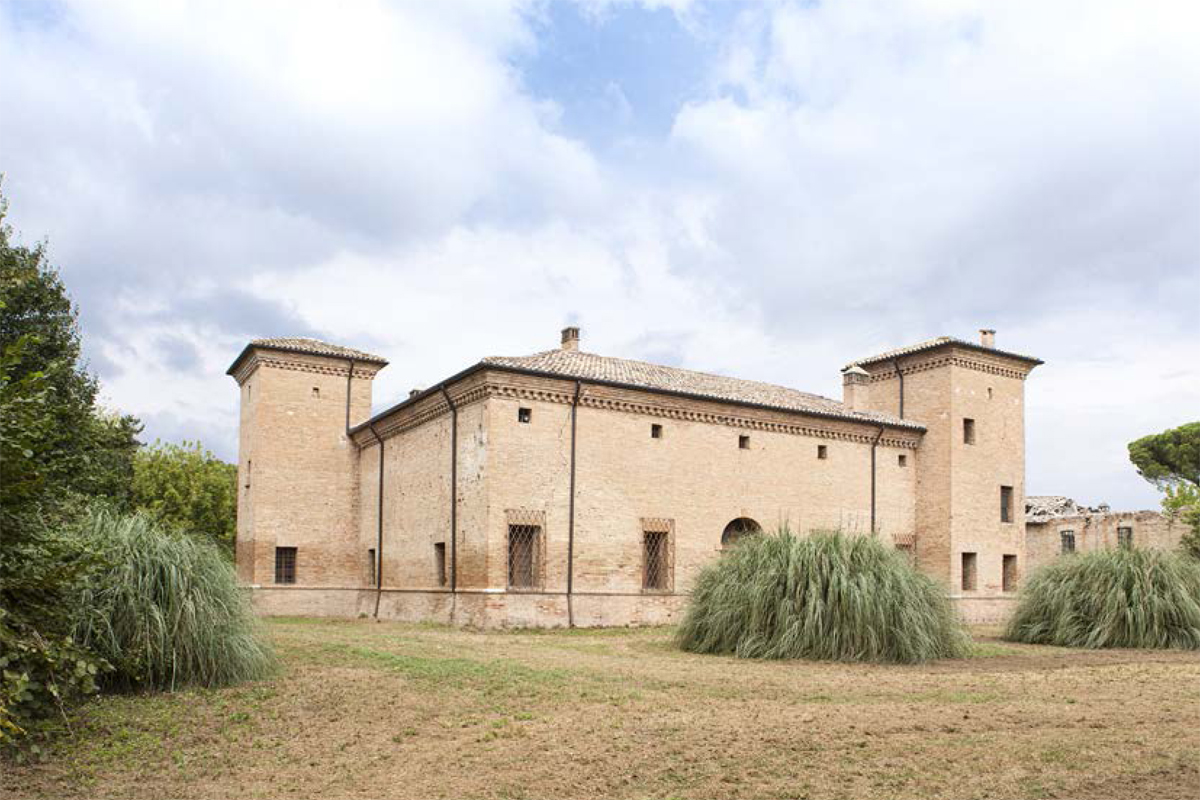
(167, 610)
(827, 596)
(1111, 598)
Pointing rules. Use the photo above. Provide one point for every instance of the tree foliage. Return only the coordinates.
(1169, 458)
(187, 487)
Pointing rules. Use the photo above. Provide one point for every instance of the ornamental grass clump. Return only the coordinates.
(165, 611)
(827, 596)
(1111, 598)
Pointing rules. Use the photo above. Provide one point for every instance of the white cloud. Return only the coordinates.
(859, 175)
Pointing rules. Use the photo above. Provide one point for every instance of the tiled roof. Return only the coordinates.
(640, 374)
(295, 344)
(933, 344)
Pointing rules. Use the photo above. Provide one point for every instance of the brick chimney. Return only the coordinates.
(987, 337)
(856, 386)
(570, 338)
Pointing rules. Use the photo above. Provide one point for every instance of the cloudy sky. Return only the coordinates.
(766, 190)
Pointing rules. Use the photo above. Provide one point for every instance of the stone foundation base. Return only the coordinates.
(984, 610)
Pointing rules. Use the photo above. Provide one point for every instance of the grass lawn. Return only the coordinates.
(391, 710)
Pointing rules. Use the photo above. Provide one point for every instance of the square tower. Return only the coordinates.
(971, 467)
(297, 467)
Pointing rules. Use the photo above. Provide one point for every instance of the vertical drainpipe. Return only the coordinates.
(874, 444)
(379, 525)
(900, 375)
(571, 513)
(453, 502)
(349, 384)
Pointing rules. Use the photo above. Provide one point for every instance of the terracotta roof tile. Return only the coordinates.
(640, 374)
(932, 344)
(296, 344)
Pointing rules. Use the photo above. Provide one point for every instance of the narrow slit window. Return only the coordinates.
(968, 572)
(285, 565)
(524, 556)
(902, 460)
(525, 415)
(371, 580)
(968, 431)
(1006, 504)
(249, 470)
(744, 442)
(1125, 538)
(1008, 576)
(1067, 541)
(822, 452)
(439, 562)
(656, 431)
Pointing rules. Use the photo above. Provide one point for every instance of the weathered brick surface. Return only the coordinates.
(1098, 531)
(317, 490)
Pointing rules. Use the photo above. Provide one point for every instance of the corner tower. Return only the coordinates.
(297, 468)
(970, 504)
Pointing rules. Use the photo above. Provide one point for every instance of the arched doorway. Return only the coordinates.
(735, 530)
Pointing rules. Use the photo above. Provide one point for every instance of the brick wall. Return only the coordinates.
(1098, 531)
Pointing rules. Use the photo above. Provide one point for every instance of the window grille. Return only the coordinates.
(968, 572)
(1068, 541)
(1009, 575)
(658, 555)
(525, 556)
(1006, 504)
(906, 549)
(285, 565)
(439, 557)
(1125, 538)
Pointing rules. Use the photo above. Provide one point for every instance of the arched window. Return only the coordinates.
(742, 526)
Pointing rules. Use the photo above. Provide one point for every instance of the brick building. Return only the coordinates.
(1059, 526)
(569, 487)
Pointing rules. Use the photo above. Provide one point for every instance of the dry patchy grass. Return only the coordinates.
(389, 710)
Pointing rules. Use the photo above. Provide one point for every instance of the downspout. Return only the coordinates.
(379, 525)
(349, 382)
(571, 512)
(453, 502)
(900, 375)
(874, 444)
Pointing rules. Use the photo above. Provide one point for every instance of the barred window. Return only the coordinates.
(439, 559)
(1125, 538)
(658, 555)
(525, 556)
(1067, 539)
(968, 572)
(1009, 575)
(906, 549)
(285, 565)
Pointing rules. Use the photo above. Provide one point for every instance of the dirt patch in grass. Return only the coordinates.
(390, 710)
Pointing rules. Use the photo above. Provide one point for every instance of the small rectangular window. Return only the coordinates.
(524, 415)
(1067, 540)
(744, 442)
(656, 431)
(822, 452)
(1125, 538)
(656, 561)
(968, 572)
(371, 581)
(968, 431)
(908, 552)
(249, 469)
(285, 565)
(902, 460)
(1006, 504)
(316, 392)
(524, 556)
(1008, 576)
(439, 562)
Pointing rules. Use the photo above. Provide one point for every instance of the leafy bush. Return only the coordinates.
(826, 596)
(167, 611)
(1111, 598)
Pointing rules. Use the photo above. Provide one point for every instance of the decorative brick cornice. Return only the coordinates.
(501, 384)
(364, 370)
(887, 372)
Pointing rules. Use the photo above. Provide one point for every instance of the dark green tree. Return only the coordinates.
(187, 487)
(1171, 461)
